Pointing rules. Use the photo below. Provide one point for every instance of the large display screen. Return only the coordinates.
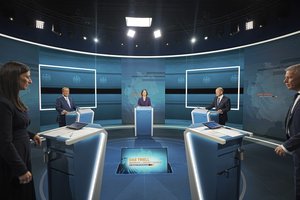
(143, 160)
(198, 81)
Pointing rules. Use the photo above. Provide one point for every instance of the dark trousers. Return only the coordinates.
(61, 119)
(296, 158)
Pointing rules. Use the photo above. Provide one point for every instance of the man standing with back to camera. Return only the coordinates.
(222, 105)
(64, 104)
(292, 125)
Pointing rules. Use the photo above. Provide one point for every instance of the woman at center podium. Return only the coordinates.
(144, 100)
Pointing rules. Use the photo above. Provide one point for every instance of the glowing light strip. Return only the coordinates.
(213, 68)
(166, 56)
(193, 166)
(95, 175)
(65, 67)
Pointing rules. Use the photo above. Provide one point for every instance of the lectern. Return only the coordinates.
(75, 160)
(143, 121)
(200, 115)
(214, 161)
(85, 115)
(71, 117)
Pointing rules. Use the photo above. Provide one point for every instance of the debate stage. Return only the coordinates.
(264, 175)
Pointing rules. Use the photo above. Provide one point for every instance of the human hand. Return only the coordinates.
(279, 151)
(25, 178)
(37, 140)
(220, 111)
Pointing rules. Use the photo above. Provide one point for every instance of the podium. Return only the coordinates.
(85, 115)
(71, 117)
(75, 161)
(214, 161)
(200, 115)
(143, 121)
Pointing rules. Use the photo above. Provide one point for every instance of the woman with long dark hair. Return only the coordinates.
(15, 155)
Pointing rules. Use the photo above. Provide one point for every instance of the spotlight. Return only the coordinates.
(96, 40)
(131, 33)
(205, 38)
(138, 21)
(193, 40)
(85, 38)
(11, 19)
(39, 24)
(157, 34)
(56, 29)
(249, 25)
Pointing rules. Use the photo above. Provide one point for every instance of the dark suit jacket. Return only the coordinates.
(224, 105)
(62, 104)
(292, 122)
(141, 102)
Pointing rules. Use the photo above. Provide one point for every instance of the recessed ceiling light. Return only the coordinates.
(39, 24)
(131, 33)
(11, 18)
(193, 40)
(205, 38)
(96, 40)
(157, 34)
(138, 21)
(85, 38)
(249, 25)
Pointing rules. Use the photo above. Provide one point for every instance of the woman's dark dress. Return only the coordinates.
(15, 153)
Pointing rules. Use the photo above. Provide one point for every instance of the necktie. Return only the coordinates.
(218, 101)
(68, 101)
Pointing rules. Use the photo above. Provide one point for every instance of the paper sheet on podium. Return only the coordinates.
(221, 132)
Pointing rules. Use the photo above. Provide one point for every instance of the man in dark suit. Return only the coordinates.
(222, 105)
(64, 104)
(292, 125)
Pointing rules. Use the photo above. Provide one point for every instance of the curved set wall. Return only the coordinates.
(263, 99)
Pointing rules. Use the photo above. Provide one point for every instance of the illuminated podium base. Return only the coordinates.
(144, 161)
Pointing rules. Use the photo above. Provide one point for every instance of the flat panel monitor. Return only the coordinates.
(143, 160)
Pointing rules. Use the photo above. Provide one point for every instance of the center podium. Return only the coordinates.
(143, 120)
(75, 161)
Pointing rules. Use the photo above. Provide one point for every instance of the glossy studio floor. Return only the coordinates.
(264, 175)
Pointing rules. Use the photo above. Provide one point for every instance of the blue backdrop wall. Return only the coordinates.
(264, 98)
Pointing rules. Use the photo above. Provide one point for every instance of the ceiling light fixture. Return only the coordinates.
(39, 24)
(249, 25)
(138, 21)
(193, 40)
(131, 33)
(96, 40)
(157, 34)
